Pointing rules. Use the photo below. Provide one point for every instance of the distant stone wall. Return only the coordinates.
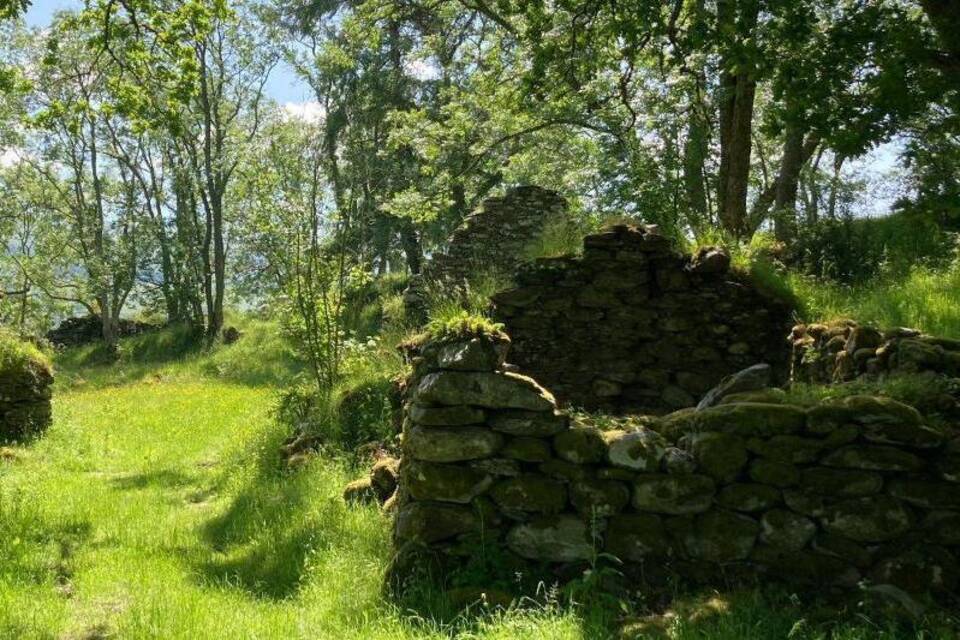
(634, 326)
(822, 496)
(842, 351)
(25, 392)
(492, 239)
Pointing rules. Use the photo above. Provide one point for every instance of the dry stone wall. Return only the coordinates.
(845, 350)
(859, 489)
(634, 326)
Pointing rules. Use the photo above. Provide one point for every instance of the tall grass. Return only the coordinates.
(925, 299)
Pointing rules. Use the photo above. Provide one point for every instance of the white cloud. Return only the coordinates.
(310, 111)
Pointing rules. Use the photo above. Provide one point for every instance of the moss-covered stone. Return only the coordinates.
(718, 536)
(928, 494)
(841, 482)
(873, 519)
(557, 538)
(537, 424)
(677, 460)
(774, 472)
(918, 570)
(745, 496)
(444, 482)
(764, 396)
(794, 449)
(531, 494)
(500, 467)
(639, 450)
(720, 455)
(477, 353)
(527, 450)
(805, 567)
(825, 418)
(437, 444)
(636, 537)
(599, 497)
(445, 416)
(942, 527)
(563, 470)
(873, 458)
(746, 419)
(483, 389)
(673, 494)
(427, 523)
(869, 410)
(786, 530)
(581, 445)
(843, 548)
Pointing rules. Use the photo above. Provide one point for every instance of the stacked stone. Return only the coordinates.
(845, 350)
(827, 495)
(86, 329)
(25, 392)
(635, 326)
(491, 239)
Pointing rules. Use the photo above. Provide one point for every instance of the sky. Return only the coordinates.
(879, 166)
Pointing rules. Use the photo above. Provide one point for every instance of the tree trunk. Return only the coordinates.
(785, 198)
(737, 93)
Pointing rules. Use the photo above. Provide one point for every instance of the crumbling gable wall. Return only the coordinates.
(822, 496)
(491, 240)
(633, 326)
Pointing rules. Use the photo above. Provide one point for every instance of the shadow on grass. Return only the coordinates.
(262, 541)
(261, 357)
(164, 478)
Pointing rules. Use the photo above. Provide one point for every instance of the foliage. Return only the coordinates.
(18, 354)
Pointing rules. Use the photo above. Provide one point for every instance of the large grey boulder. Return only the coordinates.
(753, 378)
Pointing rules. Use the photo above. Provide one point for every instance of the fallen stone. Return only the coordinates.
(752, 378)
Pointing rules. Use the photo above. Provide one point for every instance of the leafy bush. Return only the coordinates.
(853, 250)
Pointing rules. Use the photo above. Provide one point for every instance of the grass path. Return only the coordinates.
(156, 510)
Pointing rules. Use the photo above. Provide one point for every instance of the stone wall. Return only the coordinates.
(25, 390)
(634, 326)
(859, 489)
(492, 239)
(844, 350)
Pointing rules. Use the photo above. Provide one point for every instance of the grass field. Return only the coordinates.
(156, 507)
